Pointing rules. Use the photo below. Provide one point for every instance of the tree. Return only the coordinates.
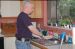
(66, 8)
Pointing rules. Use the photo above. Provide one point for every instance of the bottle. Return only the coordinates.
(63, 36)
(69, 40)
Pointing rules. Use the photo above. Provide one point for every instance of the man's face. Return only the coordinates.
(30, 9)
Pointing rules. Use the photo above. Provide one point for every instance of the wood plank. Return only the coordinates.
(38, 45)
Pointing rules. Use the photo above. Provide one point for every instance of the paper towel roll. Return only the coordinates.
(73, 32)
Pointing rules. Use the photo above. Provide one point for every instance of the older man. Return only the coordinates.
(25, 28)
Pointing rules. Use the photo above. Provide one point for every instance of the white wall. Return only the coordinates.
(9, 43)
(10, 8)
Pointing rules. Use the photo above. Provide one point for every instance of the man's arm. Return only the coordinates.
(34, 30)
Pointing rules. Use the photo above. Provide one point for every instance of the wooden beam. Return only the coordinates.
(38, 45)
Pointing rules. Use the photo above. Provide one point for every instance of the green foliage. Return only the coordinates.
(64, 21)
(72, 9)
(67, 8)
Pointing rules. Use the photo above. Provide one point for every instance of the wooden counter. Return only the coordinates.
(38, 45)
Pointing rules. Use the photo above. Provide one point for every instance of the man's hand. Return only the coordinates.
(40, 37)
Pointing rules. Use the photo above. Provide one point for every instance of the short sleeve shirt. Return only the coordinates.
(23, 21)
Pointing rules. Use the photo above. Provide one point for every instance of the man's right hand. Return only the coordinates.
(40, 37)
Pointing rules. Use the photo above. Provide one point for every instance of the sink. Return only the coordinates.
(51, 45)
(44, 42)
(49, 42)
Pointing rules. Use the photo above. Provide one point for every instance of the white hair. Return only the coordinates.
(27, 3)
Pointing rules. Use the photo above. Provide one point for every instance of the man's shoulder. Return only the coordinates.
(24, 17)
(22, 13)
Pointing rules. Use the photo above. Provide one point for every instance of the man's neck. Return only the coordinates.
(26, 12)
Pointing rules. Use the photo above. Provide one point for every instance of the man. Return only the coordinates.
(25, 28)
